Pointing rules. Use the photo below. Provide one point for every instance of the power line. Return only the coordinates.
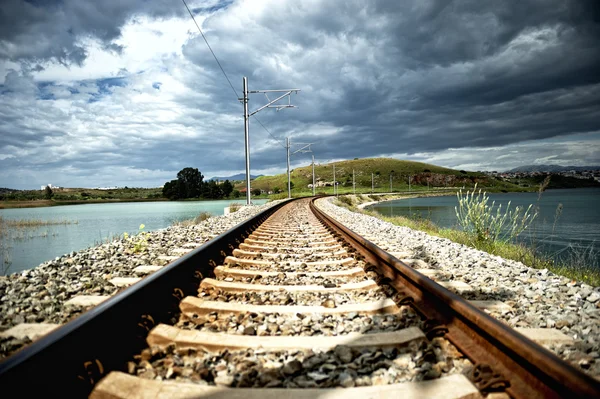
(222, 70)
(274, 138)
(211, 50)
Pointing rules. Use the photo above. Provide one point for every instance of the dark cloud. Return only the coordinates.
(417, 79)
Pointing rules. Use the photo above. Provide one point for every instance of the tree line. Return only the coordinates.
(190, 184)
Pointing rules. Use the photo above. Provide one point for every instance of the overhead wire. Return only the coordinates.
(237, 96)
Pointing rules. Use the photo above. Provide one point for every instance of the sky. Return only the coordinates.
(126, 92)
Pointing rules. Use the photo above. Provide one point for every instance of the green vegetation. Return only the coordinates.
(234, 207)
(20, 223)
(577, 266)
(192, 222)
(139, 241)
(189, 184)
(478, 218)
(422, 177)
(71, 196)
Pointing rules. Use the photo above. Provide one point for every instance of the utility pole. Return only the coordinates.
(353, 183)
(409, 183)
(313, 170)
(334, 185)
(270, 104)
(288, 145)
(372, 184)
(247, 140)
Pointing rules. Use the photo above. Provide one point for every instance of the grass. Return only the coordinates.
(234, 207)
(577, 266)
(13, 230)
(194, 221)
(23, 223)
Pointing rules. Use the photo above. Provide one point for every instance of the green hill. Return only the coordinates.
(422, 176)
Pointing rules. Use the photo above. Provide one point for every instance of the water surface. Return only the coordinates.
(26, 248)
(576, 226)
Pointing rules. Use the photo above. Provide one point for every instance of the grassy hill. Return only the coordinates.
(422, 176)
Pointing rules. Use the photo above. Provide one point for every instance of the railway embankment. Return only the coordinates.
(565, 311)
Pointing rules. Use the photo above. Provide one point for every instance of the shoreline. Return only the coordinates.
(51, 203)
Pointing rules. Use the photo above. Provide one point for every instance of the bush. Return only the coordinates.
(477, 217)
(346, 200)
(256, 191)
(234, 207)
(202, 217)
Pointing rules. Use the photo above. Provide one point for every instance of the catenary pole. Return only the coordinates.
(247, 140)
(287, 145)
(372, 184)
(353, 183)
(270, 104)
(313, 170)
(334, 185)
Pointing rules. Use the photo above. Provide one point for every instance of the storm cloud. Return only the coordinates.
(127, 93)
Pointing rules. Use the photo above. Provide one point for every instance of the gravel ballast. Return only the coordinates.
(38, 295)
(538, 298)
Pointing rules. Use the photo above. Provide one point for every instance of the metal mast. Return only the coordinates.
(313, 170)
(247, 140)
(372, 184)
(288, 145)
(270, 104)
(334, 185)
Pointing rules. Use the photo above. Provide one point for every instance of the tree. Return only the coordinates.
(227, 188)
(191, 180)
(236, 194)
(256, 191)
(212, 190)
(48, 192)
(173, 190)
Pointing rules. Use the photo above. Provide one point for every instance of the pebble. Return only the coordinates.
(38, 294)
(539, 298)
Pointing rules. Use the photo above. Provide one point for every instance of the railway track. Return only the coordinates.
(293, 300)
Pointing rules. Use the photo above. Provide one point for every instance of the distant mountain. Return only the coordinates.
(552, 168)
(239, 176)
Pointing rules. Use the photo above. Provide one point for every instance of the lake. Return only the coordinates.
(92, 224)
(578, 225)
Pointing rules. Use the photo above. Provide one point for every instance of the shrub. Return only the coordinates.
(477, 217)
(346, 200)
(202, 217)
(234, 207)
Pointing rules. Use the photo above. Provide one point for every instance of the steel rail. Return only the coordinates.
(504, 359)
(70, 360)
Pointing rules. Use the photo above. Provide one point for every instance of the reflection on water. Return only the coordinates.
(25, 248)
(577, 225)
